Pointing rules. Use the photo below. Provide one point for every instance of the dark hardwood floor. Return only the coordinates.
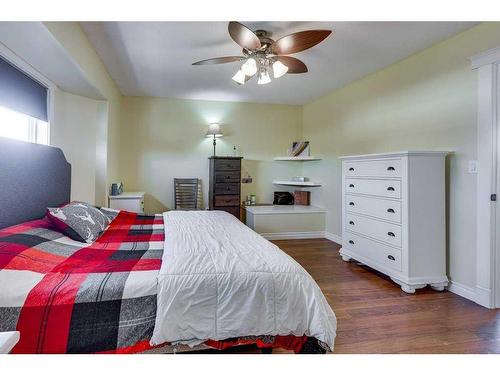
(375, 316)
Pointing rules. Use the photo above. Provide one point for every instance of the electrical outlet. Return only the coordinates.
(472, 166)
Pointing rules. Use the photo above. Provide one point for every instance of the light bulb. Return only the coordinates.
(264, 77)
(249, 67)
(279, 69)
(239, 77)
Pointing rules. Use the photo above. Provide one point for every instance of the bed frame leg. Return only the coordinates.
(267, 350)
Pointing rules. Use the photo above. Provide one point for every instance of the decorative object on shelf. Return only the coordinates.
(302, 198)
(247, 179)
(299, 148)
(283, 198)
(263, 55)
(214, 131)
(300, 179)
(251, 200)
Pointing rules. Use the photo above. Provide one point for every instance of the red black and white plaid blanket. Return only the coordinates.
(69, 297)
(66, 296)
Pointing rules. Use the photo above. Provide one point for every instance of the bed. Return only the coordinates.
(162, 283)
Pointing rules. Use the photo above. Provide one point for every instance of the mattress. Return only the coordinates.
(219, 279)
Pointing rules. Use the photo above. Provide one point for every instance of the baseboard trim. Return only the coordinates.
(292, 235)
(333, 237)
(478, 295)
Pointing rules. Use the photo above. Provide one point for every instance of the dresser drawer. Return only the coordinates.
(227, 176)
(381, 208)
(383, 188)
(373, 168)
(227, 164)
(374, 251)
(380, 230)
(227, 200)
(227, 189)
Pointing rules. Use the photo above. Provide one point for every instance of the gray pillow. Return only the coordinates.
(79, 221)
(110, 213)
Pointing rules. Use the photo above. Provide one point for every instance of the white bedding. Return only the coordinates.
(219, 279)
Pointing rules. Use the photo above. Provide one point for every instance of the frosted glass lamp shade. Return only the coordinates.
(264, 78)
(249, 67)
(279, 69)
(239, 77)
(214, 130)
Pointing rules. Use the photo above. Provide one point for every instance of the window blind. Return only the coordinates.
(21, 93)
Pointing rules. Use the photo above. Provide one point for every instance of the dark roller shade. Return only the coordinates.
(21, 93)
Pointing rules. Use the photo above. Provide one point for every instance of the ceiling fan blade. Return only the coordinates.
(220, 60)
(294, 65)
(243, 36)
(298, 42)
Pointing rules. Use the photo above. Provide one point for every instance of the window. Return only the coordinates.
(22, 127)
(23, 105)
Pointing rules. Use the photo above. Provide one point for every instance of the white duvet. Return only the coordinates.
(219, 279)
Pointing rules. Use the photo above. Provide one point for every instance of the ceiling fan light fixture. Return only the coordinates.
(239, 77)
(279, 69)
(264, 77)
(249, 67)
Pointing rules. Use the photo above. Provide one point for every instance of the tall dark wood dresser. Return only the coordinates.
(225, 190)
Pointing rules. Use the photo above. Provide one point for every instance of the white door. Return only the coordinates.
(496, 204)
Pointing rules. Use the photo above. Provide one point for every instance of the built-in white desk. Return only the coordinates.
(286, 222)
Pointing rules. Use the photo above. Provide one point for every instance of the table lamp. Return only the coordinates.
(214, 131)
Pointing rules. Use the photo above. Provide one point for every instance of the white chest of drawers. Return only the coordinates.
(393, 216)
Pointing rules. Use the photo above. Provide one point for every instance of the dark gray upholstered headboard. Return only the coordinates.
(32, 178)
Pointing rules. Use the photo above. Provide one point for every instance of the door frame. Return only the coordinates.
(487, 66)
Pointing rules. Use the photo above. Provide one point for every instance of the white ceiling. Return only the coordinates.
(32, 42)
(154, 58)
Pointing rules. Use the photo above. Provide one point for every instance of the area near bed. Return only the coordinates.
(66, 296)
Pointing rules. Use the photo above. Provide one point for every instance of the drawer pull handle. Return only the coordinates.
(351, 203)
(351, 222)
(391, 169)
(351, 169)
(390, 188)
(391, 257)
(391, 234)
(351, 185)
(351, 242)
(390, 210)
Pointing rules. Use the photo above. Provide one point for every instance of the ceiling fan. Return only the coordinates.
(263, 54)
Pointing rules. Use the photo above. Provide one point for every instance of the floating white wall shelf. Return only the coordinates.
(297, 183)
(296, 158)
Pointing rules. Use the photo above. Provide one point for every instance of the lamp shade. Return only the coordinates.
(214, 130)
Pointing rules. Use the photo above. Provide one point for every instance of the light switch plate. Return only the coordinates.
(472, 166)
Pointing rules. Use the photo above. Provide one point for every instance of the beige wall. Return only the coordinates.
(74, 40)
(428, 102)
(75, 129)
(165, 138)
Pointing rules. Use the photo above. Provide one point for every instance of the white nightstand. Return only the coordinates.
(8, 340)
(128, 201)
